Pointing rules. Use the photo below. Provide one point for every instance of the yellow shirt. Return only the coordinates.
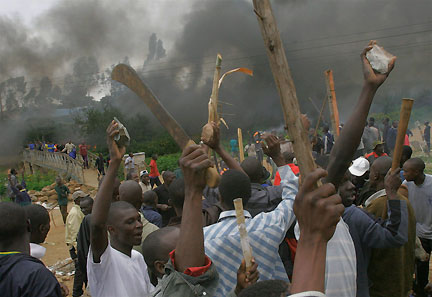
(73, 223)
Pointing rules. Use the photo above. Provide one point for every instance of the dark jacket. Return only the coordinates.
(22, 275)
(263, 199)
(83, 244)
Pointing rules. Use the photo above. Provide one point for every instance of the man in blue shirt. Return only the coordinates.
(148, 209)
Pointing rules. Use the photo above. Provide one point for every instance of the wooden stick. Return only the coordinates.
(313, 104)
(213, 104)
(285, 85)
(244, 239)
(405, 114)
(240, 144)
(334, 112)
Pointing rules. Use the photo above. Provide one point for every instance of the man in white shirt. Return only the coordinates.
(419, 187)
(113, 267)
(68, 147)
(130, 163)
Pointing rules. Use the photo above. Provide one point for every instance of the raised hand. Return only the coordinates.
(271, 148)
(116, 152)
(392, 182)
(194, 162)
(318, 211)
(370, 76)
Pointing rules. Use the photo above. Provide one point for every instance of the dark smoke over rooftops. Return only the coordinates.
(318, 35)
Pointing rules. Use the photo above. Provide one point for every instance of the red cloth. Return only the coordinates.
(193, 271)
(154, 172)
(375, 155)
(83, 150)
(406, 142)
(294, 169)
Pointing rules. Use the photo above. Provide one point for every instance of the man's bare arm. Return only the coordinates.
(349, 139)
(215, 145)
(98, 234)
(190, 247)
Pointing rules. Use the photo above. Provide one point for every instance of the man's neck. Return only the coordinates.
(121, 247)
(420, 179)
(21, 246)
(378, 186)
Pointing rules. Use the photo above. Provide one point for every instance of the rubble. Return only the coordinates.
(48, 194)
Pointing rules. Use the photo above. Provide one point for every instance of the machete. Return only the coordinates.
(128, 76)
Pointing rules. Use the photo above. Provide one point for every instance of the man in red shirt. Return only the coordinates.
(154, 172)
(83, 153)
(289, 160)
(378, 151)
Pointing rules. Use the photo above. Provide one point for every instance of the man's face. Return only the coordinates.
(347, 192)
(44, 229)
(409, 173)
(379, 149)
(145, 179)
(395, 124)
(168, 179)
(135, 177)
(86, 207)
(371, 123)
(128, 227)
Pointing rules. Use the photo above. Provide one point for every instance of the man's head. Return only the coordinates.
(426, 123)
(39, 222)
(133, 175)
(14, 226)
(325, 128)
(386, 121)
(288, 157)
(371, 122)
(77, 196)
(145, 178)
(154, 157)
(168, 177)
(124, 223)
(268, 288)
(150, 198)
(395, 124)
(378, 147)
(131, 155)
(347, 190)
(406, 154)
(130, 191)
(156, 248)
(13, 171)
(115, 195)
(254, 170)
(234, 184)
(177, 195)
(413, 169)
(378, 170)
(59, 181)
(86, 205)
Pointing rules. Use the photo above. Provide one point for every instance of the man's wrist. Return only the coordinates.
(391, 194)
(371, 86)
(192, 191)
(279, 160)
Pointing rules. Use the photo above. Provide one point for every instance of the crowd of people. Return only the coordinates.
(351, 227)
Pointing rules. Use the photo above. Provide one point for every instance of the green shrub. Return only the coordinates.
(40, 179)
(168, 162)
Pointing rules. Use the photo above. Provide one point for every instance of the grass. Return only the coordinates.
(426, 159)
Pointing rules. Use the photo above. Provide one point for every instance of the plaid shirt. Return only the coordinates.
(266, 231)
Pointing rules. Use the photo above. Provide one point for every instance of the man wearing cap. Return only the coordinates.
(359, 173)
(378, 151)
(73, 222)
(145, 181)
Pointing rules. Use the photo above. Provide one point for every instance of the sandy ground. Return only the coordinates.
(56, 246)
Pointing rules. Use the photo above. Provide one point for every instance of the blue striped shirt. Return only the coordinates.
(266, 231)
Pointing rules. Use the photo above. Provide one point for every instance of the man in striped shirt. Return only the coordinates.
(266, 231)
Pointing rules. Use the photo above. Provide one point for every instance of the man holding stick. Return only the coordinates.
(266, 230)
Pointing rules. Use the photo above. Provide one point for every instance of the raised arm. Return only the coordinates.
(215, 145)
(98, 234)
(349, 139)
(190, 247)
(318, 211)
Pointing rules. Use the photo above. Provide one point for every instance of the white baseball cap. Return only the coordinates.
(143, 172)
(359, 166)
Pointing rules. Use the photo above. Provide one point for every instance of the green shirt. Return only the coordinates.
(62, 193)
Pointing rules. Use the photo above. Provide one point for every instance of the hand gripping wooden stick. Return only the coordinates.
(244, 239)
(405, 114)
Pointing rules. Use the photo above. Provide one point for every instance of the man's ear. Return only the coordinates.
(159, 267)
(28, 226)
(110, 229)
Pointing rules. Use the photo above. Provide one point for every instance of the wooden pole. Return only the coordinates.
(405, 114)
(240, 144)
(331, 94)
(244, 239)
(285, 85)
